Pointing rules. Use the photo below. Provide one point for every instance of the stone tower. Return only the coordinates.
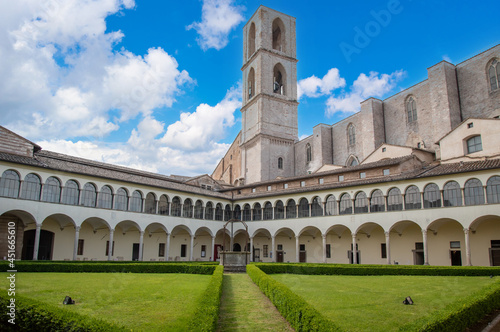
(269, 110)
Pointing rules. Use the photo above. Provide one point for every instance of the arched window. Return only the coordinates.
(209, 211)
(394, 200)
(247, 214)
(9, 184)
(105, 198)
(71, 193)
(187, 209)
(121, 200)
(237, 212)
(303, 208)
(279, 79)
(494, 74)
(218, 212)
(136, 201)
(280, 163)
(163, 205)
(452, 194)
(308, 152)
(268, 211)
(360, 203)
(411, 109)
(316, 207)
(352, 161)
(473, 192)
(432, 196)
(150, 204)
(89, 195)
(331, 206)
(52, 190)
(345, 204)
(251, 40)
(251, 83)
(175, 209)
(227, 213)
(279, 210)
(198, 210)
(278, 35)
(291, 209)
(32, 187)
(474, 144)
(377, 202)
(493, 189)
(412, 198)
(351, 134)
(257, 212)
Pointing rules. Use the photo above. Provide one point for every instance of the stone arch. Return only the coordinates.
(279, 79)
(406, 242)
(484, 238)
(278, 35)
(446, 242)
(352, 160)
(251, 40)
(251, 84)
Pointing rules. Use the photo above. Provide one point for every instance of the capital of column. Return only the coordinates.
(424, 232)
(77, 228)
(466, 231)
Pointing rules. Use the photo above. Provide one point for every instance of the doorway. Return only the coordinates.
(495, 253)
(45, 246)
(135, 252)
(418, 254)
(256, 255)
(302, 253)
(456, 257)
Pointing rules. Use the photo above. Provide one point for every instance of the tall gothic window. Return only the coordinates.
(493, 189)
(280, 163)
(251, 40)
(411, 109)
(279, 79)
(452, 194)
(51, 190)
(251, 83)
(9, 184)
(308, 152)
(394, 200)
(31, 187)
(278, 29)
(494, 74)
(71, 193)
(351, 133)
(105, 198)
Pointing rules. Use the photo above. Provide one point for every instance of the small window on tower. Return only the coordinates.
(280, 163)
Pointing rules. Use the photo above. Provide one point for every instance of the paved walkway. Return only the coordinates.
(245, 308)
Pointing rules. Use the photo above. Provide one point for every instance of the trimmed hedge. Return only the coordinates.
(32, 315)
(463, 314)
(346, 269)
(300, 315)
(206, 316)
(125, 267)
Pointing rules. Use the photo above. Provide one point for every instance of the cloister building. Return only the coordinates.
(412, 179)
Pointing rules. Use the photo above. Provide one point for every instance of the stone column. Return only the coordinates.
(353, 205)
(426, 249)
(141, 243)
(324, 247)
(167, 249)
(273, 252)
(388, 247)
(191, 248)
(251, 249)
(354, 251)
(467, 247)
(403, 207)
(110, 245)
(37, 241)
(77, 237)
(422, 200)
(297, 247)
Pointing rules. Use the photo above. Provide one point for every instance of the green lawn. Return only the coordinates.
(138, 301)
(374, 303)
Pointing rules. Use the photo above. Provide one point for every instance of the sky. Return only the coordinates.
(156, 85)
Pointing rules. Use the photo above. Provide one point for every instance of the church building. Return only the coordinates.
(411, 179)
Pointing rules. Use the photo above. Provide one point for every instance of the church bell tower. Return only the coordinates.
(269, 110)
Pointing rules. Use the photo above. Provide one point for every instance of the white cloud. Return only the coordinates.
(316, 87)
(218, 18)
(363, 87)
(61, 75)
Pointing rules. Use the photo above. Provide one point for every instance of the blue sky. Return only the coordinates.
(155, 85)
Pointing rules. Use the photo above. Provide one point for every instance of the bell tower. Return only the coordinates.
(269, 110)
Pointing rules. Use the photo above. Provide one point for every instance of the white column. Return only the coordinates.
(212, 250)
(77, 237)
(324, 247)
(191, 248)
(354, 251)
(297, 247)
(426, 250)
(110, 246)
(388, 247)
(467, 247)
(167, 245)
(37, 242)
(141, 243)
(272, 249)
(251, 249)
